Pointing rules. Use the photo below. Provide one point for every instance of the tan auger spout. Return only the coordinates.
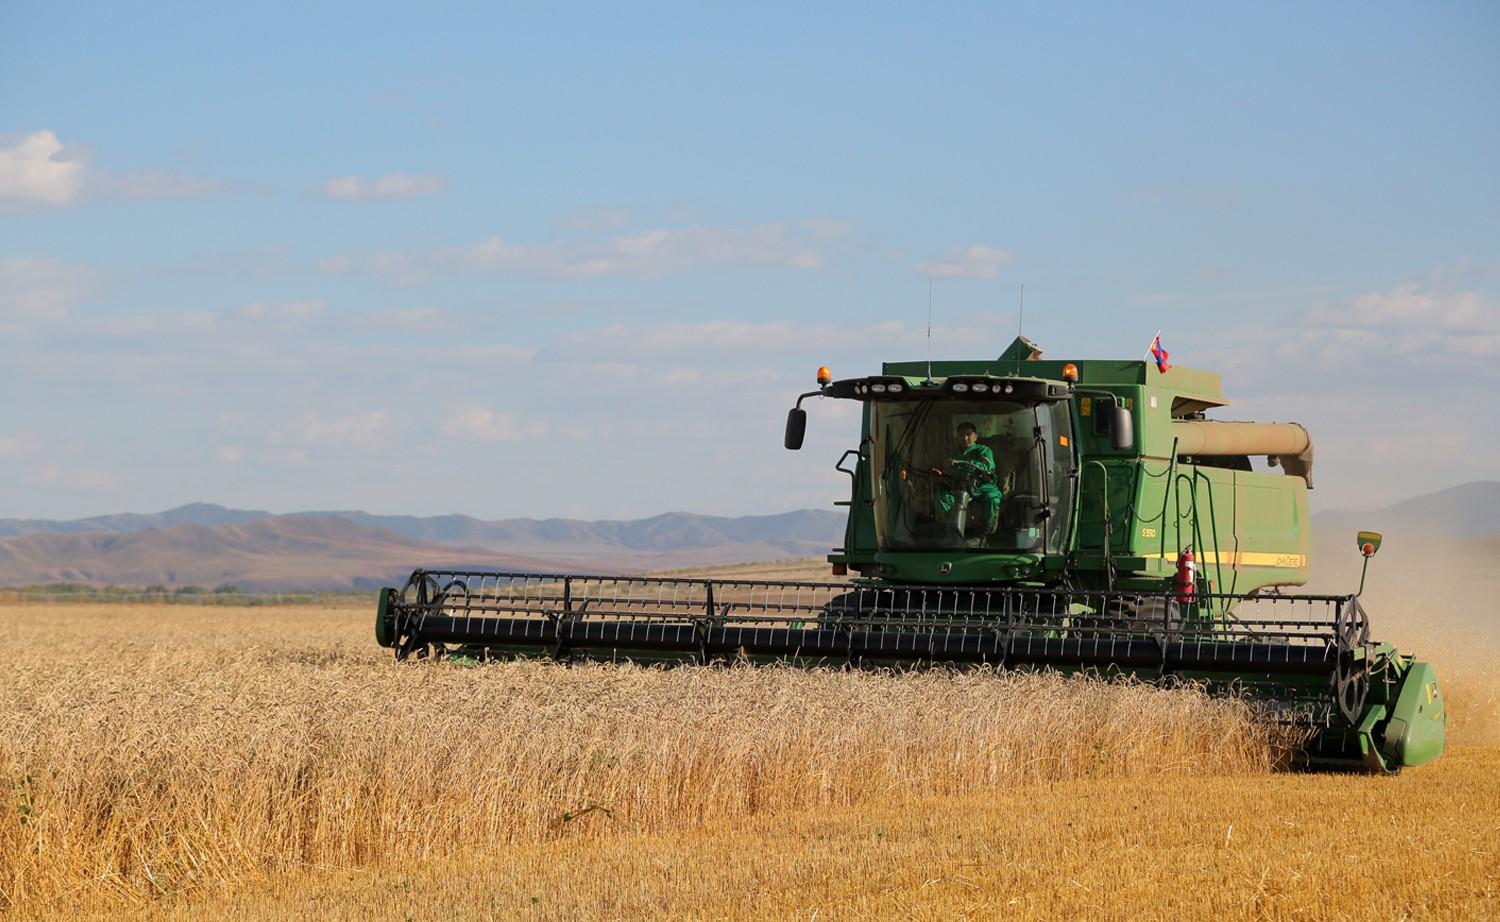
(1287, 444)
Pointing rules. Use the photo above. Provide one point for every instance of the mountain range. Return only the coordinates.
(206, 545)
(1470, 510)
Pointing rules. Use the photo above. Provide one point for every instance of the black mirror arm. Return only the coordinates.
(820, 392)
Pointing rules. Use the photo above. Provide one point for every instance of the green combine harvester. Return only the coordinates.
(1015, 513)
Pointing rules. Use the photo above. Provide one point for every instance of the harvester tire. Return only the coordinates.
(385, 620)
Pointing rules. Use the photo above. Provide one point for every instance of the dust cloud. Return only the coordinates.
(1433, 597)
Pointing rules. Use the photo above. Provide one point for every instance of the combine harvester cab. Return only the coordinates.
(1016, 513)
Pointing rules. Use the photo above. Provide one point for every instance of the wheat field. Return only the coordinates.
(218, 763)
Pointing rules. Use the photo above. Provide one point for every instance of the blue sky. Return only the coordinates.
(578, 261)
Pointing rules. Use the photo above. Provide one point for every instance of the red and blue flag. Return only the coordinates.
(1160, 354)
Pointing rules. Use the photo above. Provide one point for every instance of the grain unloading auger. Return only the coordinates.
(1016, 513)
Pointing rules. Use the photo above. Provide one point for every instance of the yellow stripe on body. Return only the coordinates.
(1248, 559)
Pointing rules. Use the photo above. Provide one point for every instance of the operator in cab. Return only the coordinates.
(973, 471)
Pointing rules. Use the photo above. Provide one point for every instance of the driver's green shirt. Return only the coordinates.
(980, 461)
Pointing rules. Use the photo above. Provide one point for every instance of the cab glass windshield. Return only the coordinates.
(951, 474)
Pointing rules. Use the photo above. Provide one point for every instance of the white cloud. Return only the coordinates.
(1373, 344)
(39, 170)
(1419, 321)
(1477, 346)
(718, 343)
(343, 264)
(597, 218)
(975, 262)
(1329, 347)
(645, 342)
(20, 445)
(247, 437)
(647, 253)
(826, 228)
(482, 424)
(281, 312)
(495, 254)
(1374, 338)
(394, 186)
(158, 184)
(35, 288)
(186, 327)
(264, 261)
(55, 475)
(1416, 305)
(360, 430)
(489, 355)
(1222, 297)
(401, 320)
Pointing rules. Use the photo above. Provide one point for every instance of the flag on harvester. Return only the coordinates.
(1160, 354)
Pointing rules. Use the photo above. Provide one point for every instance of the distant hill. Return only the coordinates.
(192, 514)
(1471, 510)
(282, 553)
(210, 546)
(793, 534)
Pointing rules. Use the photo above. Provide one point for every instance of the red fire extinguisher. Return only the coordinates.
(1187, 575)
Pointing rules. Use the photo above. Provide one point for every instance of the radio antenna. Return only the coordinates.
(929, 328)
(1021, 326)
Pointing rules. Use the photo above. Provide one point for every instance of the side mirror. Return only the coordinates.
(1121, 429)
(796, 427)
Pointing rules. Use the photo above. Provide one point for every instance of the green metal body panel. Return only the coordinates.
(1418, 723)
